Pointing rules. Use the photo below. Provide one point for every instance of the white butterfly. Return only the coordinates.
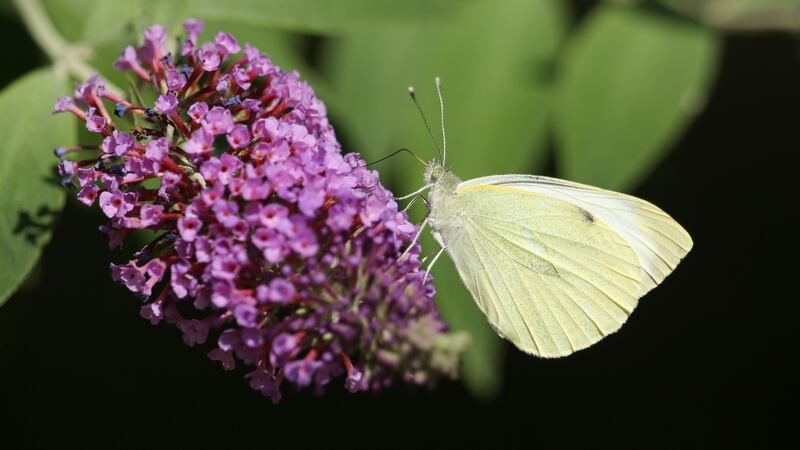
(554, 265)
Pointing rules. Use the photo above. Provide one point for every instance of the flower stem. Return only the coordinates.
(62, 53)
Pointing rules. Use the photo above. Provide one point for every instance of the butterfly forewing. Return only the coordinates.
(549, 275)
(658, 240)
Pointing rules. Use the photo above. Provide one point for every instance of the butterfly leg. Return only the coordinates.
(414, 200)
(418, 191)
(433, 261)
(416, 238)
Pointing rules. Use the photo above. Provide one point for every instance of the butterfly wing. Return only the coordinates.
(554, 265)
(549, 277)
(658, 240)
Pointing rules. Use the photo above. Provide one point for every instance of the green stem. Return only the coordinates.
(62, 53)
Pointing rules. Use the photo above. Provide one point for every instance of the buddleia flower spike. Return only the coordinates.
(270, 244)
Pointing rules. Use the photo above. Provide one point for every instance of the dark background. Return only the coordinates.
(693, 368)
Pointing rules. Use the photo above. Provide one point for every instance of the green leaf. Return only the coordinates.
(494, 58)
(31, 197)
(170, 14)
(69, 16)
(106, 20)
(96, 21)
(742, 15)
(631, 82)
(320, 16)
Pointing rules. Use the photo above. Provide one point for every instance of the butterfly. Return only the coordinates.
(554, 266)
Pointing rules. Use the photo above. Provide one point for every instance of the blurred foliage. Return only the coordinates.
(315, 16)
(608, 92)
(32, 197)
(741, 15)
(629, 83)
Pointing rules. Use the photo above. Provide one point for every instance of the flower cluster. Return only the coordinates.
(269, 239)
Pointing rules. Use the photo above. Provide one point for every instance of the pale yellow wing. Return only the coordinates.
(549, 276)
(658, 240)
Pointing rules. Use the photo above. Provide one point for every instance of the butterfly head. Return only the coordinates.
(435, 171)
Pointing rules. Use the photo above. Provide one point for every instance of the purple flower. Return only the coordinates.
(155, 38)
(311, 197)
(170, 180)
(152, 312)
(88, 194)
(86, 176)
(272, 214)
(210, 58)
(241, 77)
(118, 143)
(353, 381)
(301, 372)
(280, 291)
(217, 121)
(181, 281)
(223, 84)
(227, 213)
(255, 189)
(188, 227)
(90, 90)
(225, 358)
(157, 149)
(193, 28)
(117, 203)
(63, 104)
(228, 165)
(127, 59)
(238, 137)
(95, 123)
(197, 111)
(167, 104)
(283, 346)
(304, 243)
(226, 43)
(151, 214)
(271, 243)
(200, 143)
(266, 128)
(175, 80)
(262, 381)
(194, 331)
(245, 314)
(156, 268)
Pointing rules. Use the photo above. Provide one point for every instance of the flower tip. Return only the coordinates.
(353, 381)
(120, 109)
(232, 101)
(142, 256)
(118, 170)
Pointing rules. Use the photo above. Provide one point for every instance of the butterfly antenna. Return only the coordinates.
(441, 109)
(413, 95)
(395, 153)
